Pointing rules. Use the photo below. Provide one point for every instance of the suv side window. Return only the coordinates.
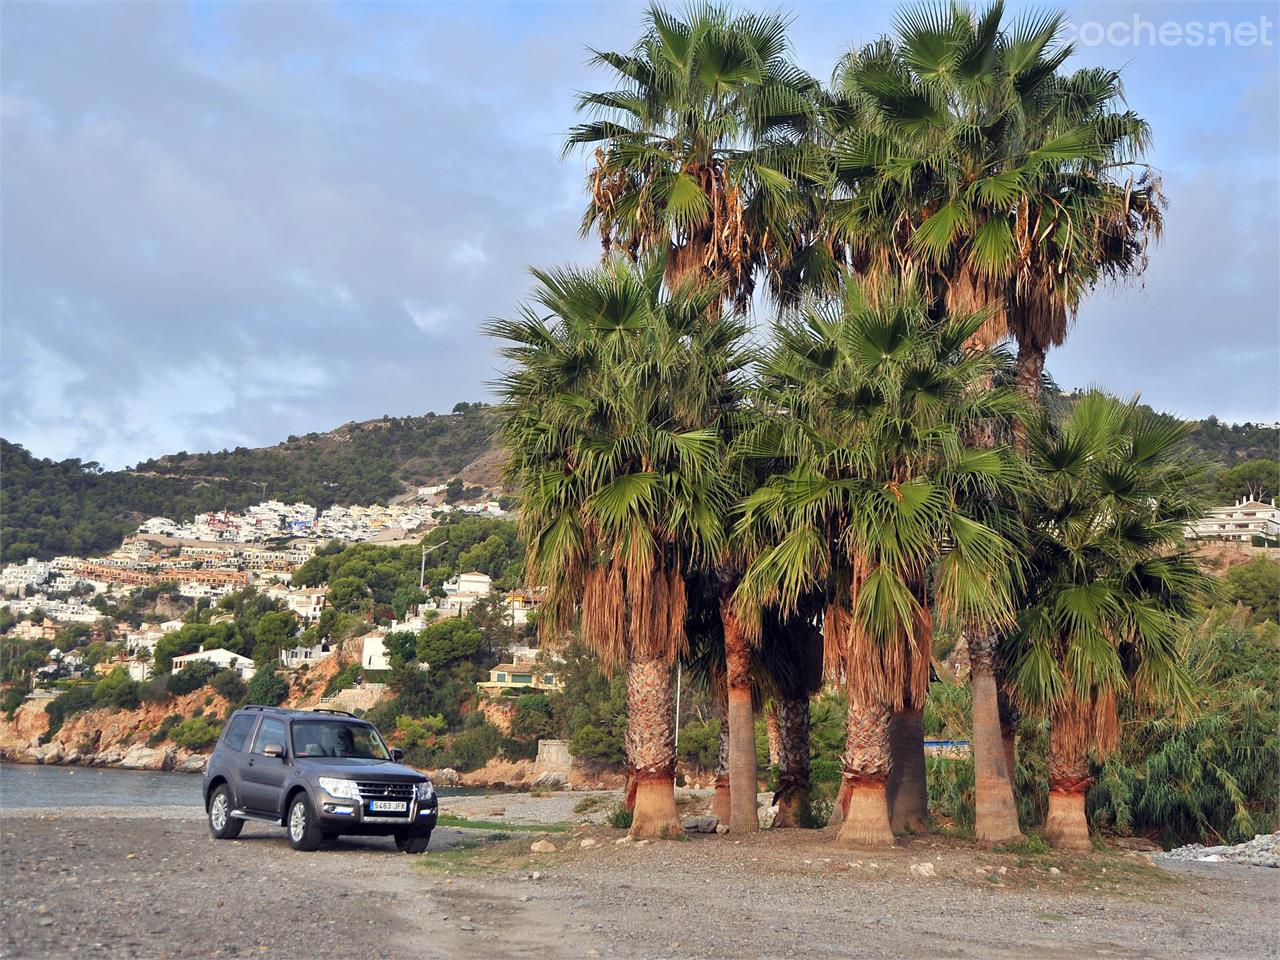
(269, 731)
(238, 731)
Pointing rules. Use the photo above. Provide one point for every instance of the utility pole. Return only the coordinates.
(422, 570)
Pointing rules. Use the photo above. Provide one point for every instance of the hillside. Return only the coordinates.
(69, 506)
(49, 508)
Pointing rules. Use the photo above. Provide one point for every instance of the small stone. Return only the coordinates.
(1055, 871)
(131, 856)
(588, 843)
(722, 829)
(1002, 870)
(542, 846)
(465, 918)
(46, 921)
(621, 840)
(536, 875)
(526, 898)
(925, 869)
(467, 926)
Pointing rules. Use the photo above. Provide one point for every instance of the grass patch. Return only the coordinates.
(1028, 846)
(587, 804)
(462, 823)
(473, 857)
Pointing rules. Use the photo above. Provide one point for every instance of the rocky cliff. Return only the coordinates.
(113, 737)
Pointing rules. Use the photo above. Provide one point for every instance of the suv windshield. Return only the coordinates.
(337, 738)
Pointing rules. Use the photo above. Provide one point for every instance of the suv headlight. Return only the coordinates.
(341, 789)
(425, 790)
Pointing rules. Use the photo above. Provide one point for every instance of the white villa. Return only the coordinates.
(1240, 521)
(463, 591)
(373, 653)
(223, 659)
(304, 656)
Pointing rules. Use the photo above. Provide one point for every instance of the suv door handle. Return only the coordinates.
(250, 763)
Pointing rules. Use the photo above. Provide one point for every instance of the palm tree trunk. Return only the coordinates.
(866, 770)
(651, 748)
(996, 814)
(1030, 371)
(774, 735)
(1066, 826)
(836, 817)
(792, 717)
(721, 803)
(743, 778)
(907, 789)
(1009, 734)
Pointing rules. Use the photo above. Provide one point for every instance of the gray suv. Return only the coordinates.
(319, 774)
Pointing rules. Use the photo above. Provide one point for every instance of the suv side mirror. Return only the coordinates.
(397, 753)
(273, 750)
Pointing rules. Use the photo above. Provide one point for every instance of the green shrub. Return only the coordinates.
(1213, 777)
(12, 700)
(533, 720)
(228, 685)
(195, 733)
(619, 817)
(117, 690)
(824, 771)
(191, 677)
(267, 688)
(951, 790)
(700, 743)
(472, 748)
(161, 733)
(595, 746)
(77, 698)
(344, 678)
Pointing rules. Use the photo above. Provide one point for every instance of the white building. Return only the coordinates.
(1240, 521)
(373, 654)
(17, 577)
(223, 659)
(304, 656)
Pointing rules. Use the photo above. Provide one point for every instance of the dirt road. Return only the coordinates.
(119, 887)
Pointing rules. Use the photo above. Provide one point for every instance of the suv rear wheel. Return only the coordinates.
(222, 824)
(407, 843)
(304, 831)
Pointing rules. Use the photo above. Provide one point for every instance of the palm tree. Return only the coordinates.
(702, 151)
(611, 428)
(791, 655)
(1110, 589)
(969, 161)
(703, 155)
(866, 409)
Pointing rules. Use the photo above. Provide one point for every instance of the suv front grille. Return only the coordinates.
(382, 790)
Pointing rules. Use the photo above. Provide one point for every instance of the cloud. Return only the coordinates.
(225, 224)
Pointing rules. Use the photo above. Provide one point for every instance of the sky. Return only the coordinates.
(224, 224)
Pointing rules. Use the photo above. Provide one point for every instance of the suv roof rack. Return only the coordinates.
(341, 713)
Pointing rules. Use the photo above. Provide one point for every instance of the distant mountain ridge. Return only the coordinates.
(70, 507)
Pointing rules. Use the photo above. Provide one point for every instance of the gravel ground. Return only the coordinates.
(109, 886)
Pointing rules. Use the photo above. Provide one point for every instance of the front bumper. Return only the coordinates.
(353, 816)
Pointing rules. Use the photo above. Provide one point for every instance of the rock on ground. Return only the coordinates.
(1262, 851)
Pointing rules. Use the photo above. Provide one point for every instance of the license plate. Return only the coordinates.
(388, 806)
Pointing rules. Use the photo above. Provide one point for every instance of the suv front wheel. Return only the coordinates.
(408, 843)
(304, 831)
(222, 825)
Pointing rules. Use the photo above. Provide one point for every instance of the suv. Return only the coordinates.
(319, 773)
